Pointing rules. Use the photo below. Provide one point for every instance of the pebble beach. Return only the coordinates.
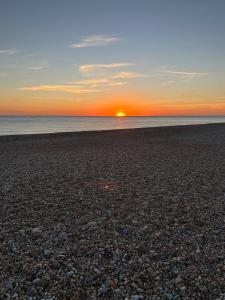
(120, 214)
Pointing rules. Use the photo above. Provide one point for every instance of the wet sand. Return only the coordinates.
(125, 214)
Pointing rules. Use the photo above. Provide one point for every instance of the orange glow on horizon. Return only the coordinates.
(121, 104)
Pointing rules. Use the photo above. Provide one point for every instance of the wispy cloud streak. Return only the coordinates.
(8, 52)
(172, 75)
(128, 75)
(187, 74)
(60, 88)
(169, 82)
(96, 67)
(96, 41)
(99, 82)
(40, 66)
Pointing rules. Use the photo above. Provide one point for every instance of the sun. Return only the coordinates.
(120, 114)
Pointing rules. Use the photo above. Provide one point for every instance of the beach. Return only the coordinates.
(120, 214)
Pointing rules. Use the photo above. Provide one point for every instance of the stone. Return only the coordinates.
(47, 252)
(70, 274)
(97, 271)
(103, 289)
(63, 237)
(8, 285)
(55, 263)
(92, 224)
(36, 232)
(111, 284)
(178, 279)
(37, 281)
(136, 297)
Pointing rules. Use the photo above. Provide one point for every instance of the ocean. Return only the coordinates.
(15, 125)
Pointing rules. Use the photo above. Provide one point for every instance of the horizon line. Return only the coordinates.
(114, 116)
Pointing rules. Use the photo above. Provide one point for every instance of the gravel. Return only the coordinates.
(128, 214)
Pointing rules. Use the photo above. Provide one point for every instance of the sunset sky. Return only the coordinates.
(98, 57)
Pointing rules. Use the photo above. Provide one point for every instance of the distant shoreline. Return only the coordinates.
(70, 133)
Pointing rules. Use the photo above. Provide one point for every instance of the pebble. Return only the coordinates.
(36, 232)
(103, 289)
(37, 281)
(55, 263)
(169, 296)
(70, 274)
(136, 297)
(47, 252)
(92, 224)
(97, 271)
(178, 279)
(111, 284)
(63, 237)
(8, 285)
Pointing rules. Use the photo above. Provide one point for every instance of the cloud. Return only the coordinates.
(78, 87)
(167, 82)
(99, 82)
(89, 85)
(40, 66)
(60, 88)
(94, 67)
(37, 67)
(92, 81)
(186, 76)
(96, 40)
(8, 52)
(128, 75)
(34, 54)
(117, 83)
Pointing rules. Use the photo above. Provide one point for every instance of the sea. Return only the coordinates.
(15, 125)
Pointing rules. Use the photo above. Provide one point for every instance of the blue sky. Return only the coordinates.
(163, 49)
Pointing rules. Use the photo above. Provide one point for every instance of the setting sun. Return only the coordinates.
(120, 114)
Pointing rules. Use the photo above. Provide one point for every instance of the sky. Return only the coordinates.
(98, 57)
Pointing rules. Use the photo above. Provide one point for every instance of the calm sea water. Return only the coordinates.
(30, 125)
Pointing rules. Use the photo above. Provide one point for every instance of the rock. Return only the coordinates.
(22, 232)
(136, 297)
(118, 291)
(178, 279)
(54, 263)
(135, 222)
(36, 232)
(70, 274)
(37, 281)
(124, 231)
(63, 237)
(169, 296)
(133, 284)
(47, 252)
(92, 224)
(111, 284)
(103, 289)
(8, 285)
(12, 246)
(97, 271)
